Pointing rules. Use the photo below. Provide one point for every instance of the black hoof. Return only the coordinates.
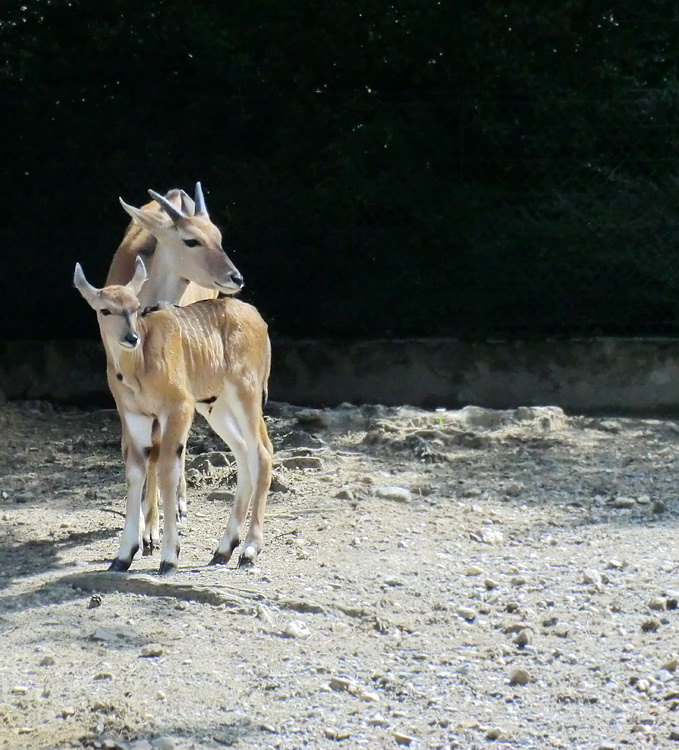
(167, 568)
(147, 548)
(246, 562)
(119, 565)
(219, 558)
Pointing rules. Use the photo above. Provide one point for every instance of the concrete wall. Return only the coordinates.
(588, 375)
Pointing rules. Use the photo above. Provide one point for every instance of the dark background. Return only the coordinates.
(413, 168)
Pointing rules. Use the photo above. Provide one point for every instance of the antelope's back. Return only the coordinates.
(221, 338)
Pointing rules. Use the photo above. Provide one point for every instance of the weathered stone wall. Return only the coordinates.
(588, 375)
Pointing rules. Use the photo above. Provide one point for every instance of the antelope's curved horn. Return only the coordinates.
(200, 200)
(172, 211)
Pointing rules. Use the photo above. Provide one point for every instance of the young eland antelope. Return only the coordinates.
(212, 357)
(185, 262)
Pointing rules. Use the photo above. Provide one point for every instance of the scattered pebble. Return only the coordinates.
(398, 494)
(466, 613)
(403, 739)
(296, 629)
(523, 637)
(519, 676)
(163, 743)
(151, 649)
(494, 734)
(593, 577)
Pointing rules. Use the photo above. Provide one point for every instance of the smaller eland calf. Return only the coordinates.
(213, 357)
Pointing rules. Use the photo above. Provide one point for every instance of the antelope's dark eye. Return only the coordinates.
(191, 243)
(105, 312)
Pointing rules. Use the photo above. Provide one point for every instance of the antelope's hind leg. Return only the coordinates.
(237, 418)
(222, 421)
(136, 445)
(260, 457)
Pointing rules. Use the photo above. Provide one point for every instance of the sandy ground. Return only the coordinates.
(430, 579)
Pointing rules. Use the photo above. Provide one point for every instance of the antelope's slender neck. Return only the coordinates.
(126, 362)
(162, 285)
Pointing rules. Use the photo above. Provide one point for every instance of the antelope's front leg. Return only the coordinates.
(136, 443)
(175, 429)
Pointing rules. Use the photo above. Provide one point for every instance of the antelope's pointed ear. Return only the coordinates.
(139, 278)
(148, 220)
(188, 206)
(83, 285)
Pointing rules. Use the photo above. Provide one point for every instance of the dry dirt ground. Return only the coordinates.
(431, 579)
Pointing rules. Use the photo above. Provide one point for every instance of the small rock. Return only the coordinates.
(221, 496)
(614, 564)
(151, 649)
(397, 494)
(403, 739)
(643, 499)
(674, 735)
(103, 676)
(561, 630)
(492, 536)
(163, 743)
(494, 734)
(671, 665)
(523, 637)
(593, 577)
(66, 712)
(336, 734)
(19, 690)
(302, 462)
(377, 721)
(342, 683)
(94, 602)
(296, 629)
(490, 584)
(345, 494)
(466, 613)
(314, 418)
(624, 502)
(141, 745)
(519, 676)
(108, 635)
(474, 570)
(517, 581)
(277, 484)
(46, 661)
(264, 614)
(657, 603)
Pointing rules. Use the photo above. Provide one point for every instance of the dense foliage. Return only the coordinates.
(416, 167)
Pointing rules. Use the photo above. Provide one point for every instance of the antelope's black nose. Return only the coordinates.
(237, 278)
(132, 338)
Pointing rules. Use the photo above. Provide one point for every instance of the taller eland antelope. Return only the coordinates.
(212, 357)
(185, 262)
